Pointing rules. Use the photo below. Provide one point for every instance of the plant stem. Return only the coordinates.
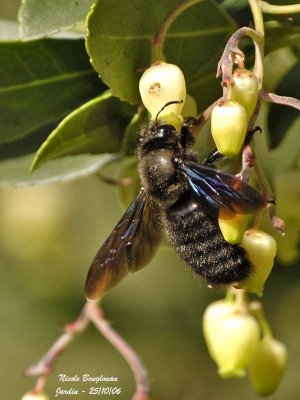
(257, 309)
(158, 42)
(263, 182)
(40, 384)
(230, 295)
(138, 369)
(257, 8)
(257, 16)
(283, 100)
(274, 9)
(47, 362)
(233, 53)
(259, 46)
(277, 222)
(241, 299)
(90, 312)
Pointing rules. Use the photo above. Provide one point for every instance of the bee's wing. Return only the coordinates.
(129, 247)
(220, 192)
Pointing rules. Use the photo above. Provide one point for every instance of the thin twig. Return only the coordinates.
(47, 362)
(90, 312)
(259, 45)
(275, 9)
(277, 222)
(248, 161)
(138, 369)
(283, 100)
(241, 300)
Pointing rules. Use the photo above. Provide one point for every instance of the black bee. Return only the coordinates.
(184, 199)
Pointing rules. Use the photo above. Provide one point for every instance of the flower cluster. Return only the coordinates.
(239, 339)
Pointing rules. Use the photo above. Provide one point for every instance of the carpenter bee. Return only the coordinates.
(183, 198)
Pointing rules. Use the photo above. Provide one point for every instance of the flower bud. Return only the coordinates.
(267, 365)
(245, 89)
(228, 127)
(261, 249)
(233, 228)
(214, 313)
(160, 84)
(231, 336)
(34, 396)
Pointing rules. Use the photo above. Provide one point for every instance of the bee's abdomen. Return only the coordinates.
(199, 241)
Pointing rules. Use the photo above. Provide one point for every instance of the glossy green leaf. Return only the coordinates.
(203, 86)
(27, 144)
(194, 42)
(40, 82)
(15, 171)
(96, 127)
(281, 117)
(40, 18)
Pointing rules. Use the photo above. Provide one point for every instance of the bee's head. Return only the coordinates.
(158, 136)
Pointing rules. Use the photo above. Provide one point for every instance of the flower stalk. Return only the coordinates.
(91, 312)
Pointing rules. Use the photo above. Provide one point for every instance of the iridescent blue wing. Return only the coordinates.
(129, 247)
(221, 192)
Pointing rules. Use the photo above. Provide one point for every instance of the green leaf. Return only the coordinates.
(15, 171)
(41, 82)
(26, 145)
(40, 18)
(281, 117)
(203, 86)
(96, 127)
(194, 42)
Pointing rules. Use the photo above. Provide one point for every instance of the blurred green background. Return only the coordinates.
(48, 236)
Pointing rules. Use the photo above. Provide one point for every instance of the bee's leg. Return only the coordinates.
(214, 156)
(251, 133)
(187, 132)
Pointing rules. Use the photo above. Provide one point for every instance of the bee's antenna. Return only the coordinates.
(166, 105)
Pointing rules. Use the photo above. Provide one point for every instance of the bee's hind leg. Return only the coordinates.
(214, 156)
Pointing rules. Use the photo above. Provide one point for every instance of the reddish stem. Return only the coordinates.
(283, 100)
(137, 367)
(47, 362)
(90, 312)
(233, 54)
